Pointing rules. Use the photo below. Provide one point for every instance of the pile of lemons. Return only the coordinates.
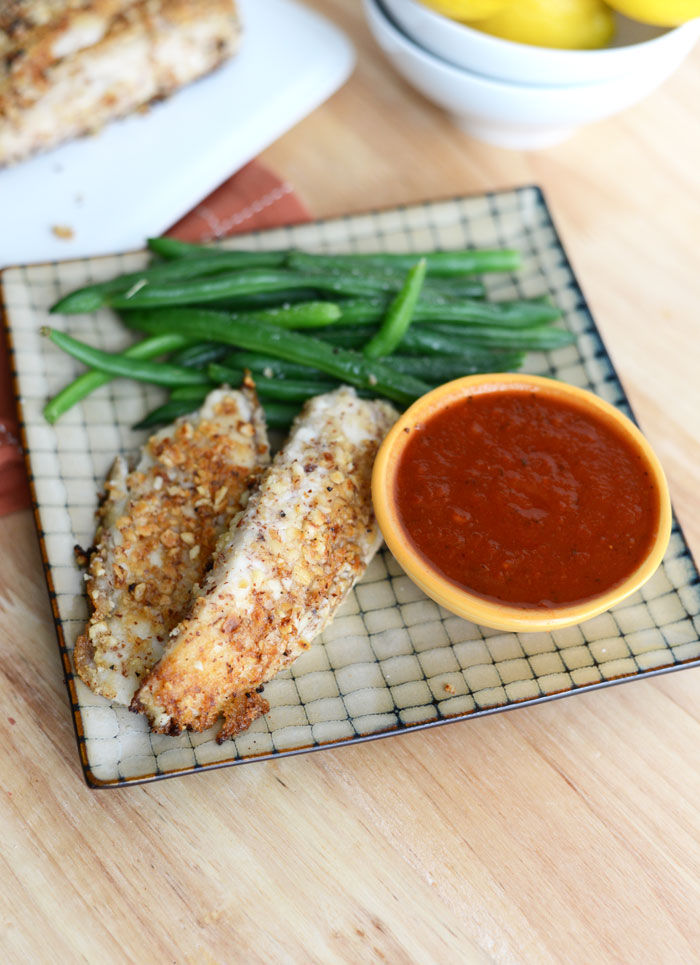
(569, 24)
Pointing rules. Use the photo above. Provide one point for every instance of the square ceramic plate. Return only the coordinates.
(392, 660)
(290, 60)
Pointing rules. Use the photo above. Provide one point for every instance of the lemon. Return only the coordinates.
(569, 24)
(662, 13)
(466, 9)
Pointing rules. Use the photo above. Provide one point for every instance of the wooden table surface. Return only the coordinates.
(564, 832)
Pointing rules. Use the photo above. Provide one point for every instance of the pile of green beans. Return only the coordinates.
(393, 325)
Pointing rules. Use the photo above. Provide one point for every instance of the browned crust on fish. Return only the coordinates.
(305, 538)
(157, 530)
(68, 67)
(33, 32)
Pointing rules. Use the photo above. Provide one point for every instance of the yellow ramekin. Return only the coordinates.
(504, 616)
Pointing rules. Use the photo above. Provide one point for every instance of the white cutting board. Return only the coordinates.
(139, 175)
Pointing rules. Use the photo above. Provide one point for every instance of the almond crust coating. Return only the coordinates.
(305, 538)
(66, 68)
(157, 530)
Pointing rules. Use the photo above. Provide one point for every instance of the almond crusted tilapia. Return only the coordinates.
(305, 538)
(69, 66)
(158, 528)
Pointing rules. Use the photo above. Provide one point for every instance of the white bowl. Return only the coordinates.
(636, 46)
(516, 116)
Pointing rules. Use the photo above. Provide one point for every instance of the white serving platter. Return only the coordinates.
(141, 174)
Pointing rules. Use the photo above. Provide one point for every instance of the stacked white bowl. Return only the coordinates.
(520, 96)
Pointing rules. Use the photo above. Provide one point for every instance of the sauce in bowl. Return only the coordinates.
(526, 498)
(520, 502)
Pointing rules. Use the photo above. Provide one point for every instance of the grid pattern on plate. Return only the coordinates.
(391, 659)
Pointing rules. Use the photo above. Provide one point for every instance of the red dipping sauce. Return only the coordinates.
(525, 498)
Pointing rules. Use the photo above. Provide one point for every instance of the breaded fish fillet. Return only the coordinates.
(158, 528)
(306, 536)
(68, 66)
(40, 32)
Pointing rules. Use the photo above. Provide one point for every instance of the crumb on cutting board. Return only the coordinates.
(63, 231)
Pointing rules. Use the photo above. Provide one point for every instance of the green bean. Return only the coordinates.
(373, 285)
(199, 355)
(439, 263)
(92, 297)
(159, 373)
(269, 366)
(437, 289)
(444, 368)
(198, 393)
(347, 366)
(283, 390)
(304, 315)
(351, 284)
(398, 316)
(363, 311)
(513, 314)
(391, 279)
(173, 248)
(218, 288)
(176, 249)
(166, 247)
(432, 368)
(224, 374)
(542, 338)
(453, 340)
(215, 289)
(426, 341)
(247, 303)
(356, 338)
(86, 383)
(279, 415)
(167, 412)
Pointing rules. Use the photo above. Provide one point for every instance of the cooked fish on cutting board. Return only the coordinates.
(158, 527)
(306, 536)
(69, 66)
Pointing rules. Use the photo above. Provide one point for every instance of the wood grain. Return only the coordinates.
(567, 832)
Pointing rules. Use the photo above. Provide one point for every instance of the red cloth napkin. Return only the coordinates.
(253, 198)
